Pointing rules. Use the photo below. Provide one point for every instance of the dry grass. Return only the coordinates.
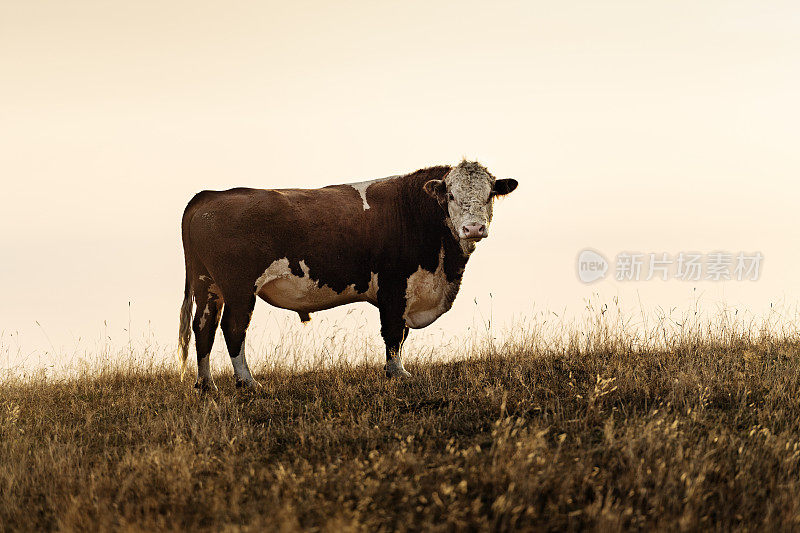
(699, 432)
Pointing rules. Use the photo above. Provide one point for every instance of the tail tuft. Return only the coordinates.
(185, 329)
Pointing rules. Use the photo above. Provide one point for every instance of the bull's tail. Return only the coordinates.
(185, 330)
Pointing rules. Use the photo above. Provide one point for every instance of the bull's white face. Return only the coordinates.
(467, 192)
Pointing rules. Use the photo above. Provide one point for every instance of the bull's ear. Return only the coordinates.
(437, 189)
(503, 187)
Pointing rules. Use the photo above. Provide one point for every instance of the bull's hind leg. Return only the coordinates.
(235, 320)
(204, 325)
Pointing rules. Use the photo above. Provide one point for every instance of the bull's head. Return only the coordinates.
(467, 193)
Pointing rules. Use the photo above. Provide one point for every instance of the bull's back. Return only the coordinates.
(242, 232)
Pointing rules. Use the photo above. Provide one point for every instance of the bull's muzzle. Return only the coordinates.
(474, 231)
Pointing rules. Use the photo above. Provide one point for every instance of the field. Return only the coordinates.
(700, 432)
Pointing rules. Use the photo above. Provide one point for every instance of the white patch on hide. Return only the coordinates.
(428, 295)
(362, 187)
(213, 291)
(281, 288)
(240, 368)
(204, 317)
(204, 370)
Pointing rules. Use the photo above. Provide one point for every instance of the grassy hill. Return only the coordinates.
(694, 436)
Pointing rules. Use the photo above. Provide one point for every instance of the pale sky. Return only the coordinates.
(630, 126)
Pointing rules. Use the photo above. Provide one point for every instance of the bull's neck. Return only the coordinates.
(455, 260)
(426, 211)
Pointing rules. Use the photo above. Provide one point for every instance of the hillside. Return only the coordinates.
(706, 434)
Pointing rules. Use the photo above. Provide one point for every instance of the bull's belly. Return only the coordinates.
(279, 287)
(298, 295)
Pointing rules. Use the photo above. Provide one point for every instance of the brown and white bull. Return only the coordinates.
(400, 243)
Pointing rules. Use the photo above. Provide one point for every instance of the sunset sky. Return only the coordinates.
(630, 126)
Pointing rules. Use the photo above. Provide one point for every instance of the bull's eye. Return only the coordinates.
(450, 196)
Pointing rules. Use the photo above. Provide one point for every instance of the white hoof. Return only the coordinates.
(394, 369)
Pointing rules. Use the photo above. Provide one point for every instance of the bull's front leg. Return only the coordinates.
(394, 332)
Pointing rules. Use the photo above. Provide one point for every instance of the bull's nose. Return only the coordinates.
(474, 231)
